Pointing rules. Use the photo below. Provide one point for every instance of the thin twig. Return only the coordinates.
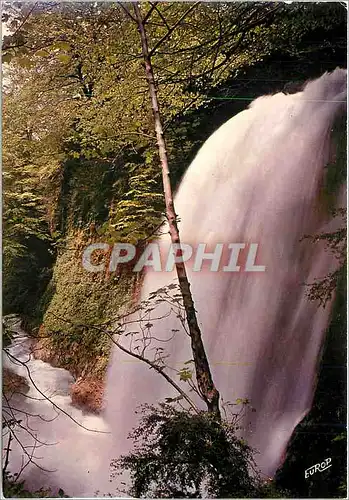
(177, 23)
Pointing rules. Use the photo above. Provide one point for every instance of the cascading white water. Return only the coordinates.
(256, 180)
(60, 438)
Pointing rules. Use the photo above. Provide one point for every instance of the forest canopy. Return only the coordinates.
(80, 156)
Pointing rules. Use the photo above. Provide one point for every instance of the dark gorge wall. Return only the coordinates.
(322, 433)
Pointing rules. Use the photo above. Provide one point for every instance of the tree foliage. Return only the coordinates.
(79, 147)
(180, 454)
(80, 164)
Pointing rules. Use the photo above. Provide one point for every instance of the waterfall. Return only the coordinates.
(257, 179)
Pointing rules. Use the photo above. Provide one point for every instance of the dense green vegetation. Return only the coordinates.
(79, 151)
(181, 454)
(80, 158)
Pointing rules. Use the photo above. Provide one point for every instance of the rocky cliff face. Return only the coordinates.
(87, 390)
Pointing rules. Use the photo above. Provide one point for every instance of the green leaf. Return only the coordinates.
(24, 62)
(61, 45)
(6, 58)
(42, 53)
(63, 58)
(185, 374)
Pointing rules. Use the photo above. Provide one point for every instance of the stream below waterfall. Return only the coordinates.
(62, 441)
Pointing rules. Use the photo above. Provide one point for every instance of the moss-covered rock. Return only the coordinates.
(82, 306)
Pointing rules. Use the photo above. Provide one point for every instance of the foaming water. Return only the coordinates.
(257, 179)
(59, 437)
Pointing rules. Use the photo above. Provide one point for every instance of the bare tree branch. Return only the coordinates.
(140, 357)
(126, 10)
(21, 25)
(177, 23)
(18, 361)
(150, 11)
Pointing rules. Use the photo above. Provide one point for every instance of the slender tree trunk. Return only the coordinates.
(203, 373)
